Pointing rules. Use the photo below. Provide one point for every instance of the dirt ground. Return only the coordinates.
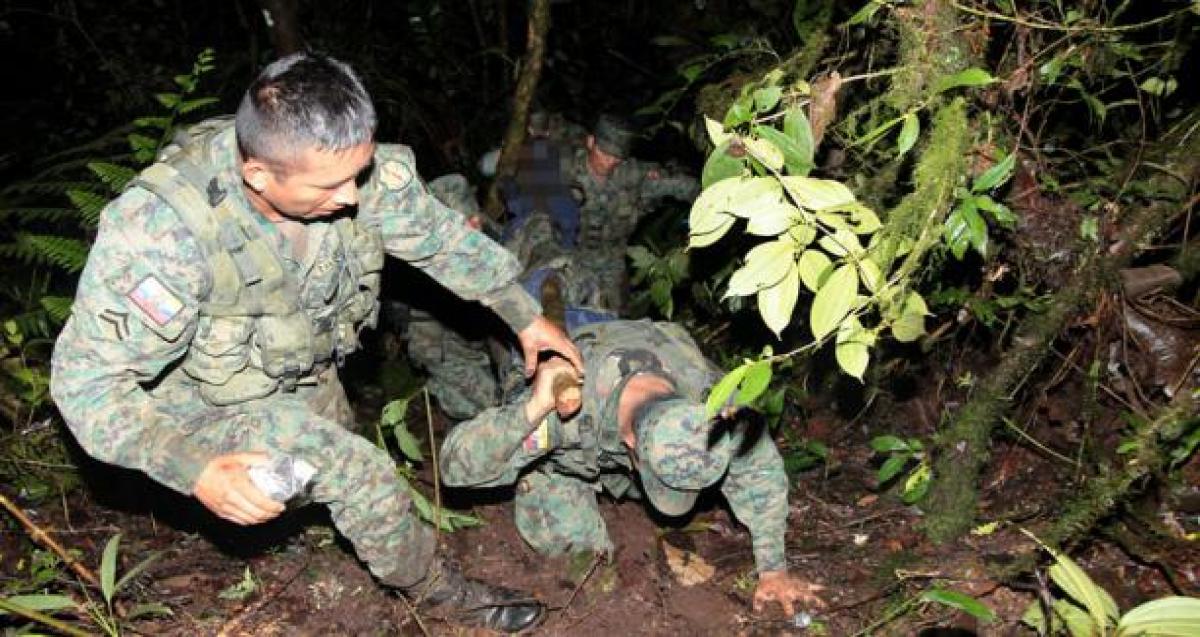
(296, 577)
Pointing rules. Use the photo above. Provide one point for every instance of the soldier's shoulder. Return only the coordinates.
(397, 165)
(139, 212)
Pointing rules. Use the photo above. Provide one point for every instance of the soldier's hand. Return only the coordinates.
(556, 387)
(225, 488)
(779, 586)
(542, 335)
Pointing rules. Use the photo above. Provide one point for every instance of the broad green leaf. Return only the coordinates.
(841, 243)
(892, 467)
(739, 196)
(813, 266)
(716, 133)
(757, 378)
(1159, 87)
(797, 127)
(870, 275)
(973, 76)
(766, 152)
(1003, 216)
(911, 323)
(1078, 622)
(723, 390)
(1035, 618)
(108, 568)
(818, 194)
(721, 165)
(1076, 583)
(40, 603)
(864, 220)
(660, 293)
(802, 234)
(773, 219)
(797, 159)
(977, 231)
(888, 444)
(777, 302)
(725, 222)
(641, 258)
(766, 264)
(408, 443)
(917, 483)
(766, 98)
(834, 221)
(955, 232)
(996, 175)
(853, 347)
(393, 413)
(739, 112)
(1166, 617)
(833, 301)
(960, 601)
(908, 134)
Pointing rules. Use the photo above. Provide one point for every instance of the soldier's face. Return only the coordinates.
(601, 163)
(317, 184)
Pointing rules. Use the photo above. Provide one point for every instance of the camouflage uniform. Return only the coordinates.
(610, 208)
(559, 467)
(459, 369)
(197, 330)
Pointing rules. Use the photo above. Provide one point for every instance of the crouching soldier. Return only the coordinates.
(638, 430)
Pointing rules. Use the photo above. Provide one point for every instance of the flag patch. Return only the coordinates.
(155, 300)
(538, 439)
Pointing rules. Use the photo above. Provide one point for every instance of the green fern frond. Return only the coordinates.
(32, 324)
(90, 205)
(114, 176)
(59, 187)
(191, 105)
(26, 215)
(58, 307)
(63, 252)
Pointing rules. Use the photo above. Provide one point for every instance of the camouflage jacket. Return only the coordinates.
(494, 448)
(140, 309)
(610, 208)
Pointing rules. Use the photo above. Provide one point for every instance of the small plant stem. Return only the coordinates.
(415, 615)
(41, 618)
(37, 534)
(433, 459)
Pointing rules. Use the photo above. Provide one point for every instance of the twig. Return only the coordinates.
(437, 482)
(42, 537)
(415, 615)
(578, 587)
(233, 622)
(41, 618)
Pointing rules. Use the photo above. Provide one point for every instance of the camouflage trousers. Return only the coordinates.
(369, 504)
(460, 370)
(606, 267)
(558, 513)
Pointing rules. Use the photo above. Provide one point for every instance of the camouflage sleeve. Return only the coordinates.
(419, 229)
(757, 490)
(659, 183)
(134, 314)
(491, 449)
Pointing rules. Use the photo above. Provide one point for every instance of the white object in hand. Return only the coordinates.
(282, 478)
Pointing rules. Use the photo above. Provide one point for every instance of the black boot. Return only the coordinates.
(474, 603)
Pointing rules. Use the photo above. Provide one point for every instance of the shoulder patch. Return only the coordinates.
(155, 300)
(395, 175)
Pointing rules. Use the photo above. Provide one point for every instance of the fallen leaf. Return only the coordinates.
(690, 569)
(823, 108)
(867, 500)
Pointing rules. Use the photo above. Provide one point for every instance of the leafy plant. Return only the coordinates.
(1088, 610)
(901, 454)
(966, 225)
(104, 614)
(242, 589)
(663, 273)
(392, 418)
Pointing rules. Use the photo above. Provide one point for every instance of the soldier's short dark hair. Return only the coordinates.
(301, 101)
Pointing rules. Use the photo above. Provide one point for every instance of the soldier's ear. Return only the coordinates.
(256, 173)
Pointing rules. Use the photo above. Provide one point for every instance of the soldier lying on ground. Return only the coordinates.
(226, 286)
(640, 431)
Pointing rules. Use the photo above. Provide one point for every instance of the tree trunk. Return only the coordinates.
(531, 71)
(962, 450)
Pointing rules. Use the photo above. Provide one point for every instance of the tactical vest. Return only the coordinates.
(262, 328)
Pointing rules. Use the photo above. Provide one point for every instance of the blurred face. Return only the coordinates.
(319, 183)
(600, 163)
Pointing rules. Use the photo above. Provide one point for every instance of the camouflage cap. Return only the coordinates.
(679, 455)
(613, 135)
